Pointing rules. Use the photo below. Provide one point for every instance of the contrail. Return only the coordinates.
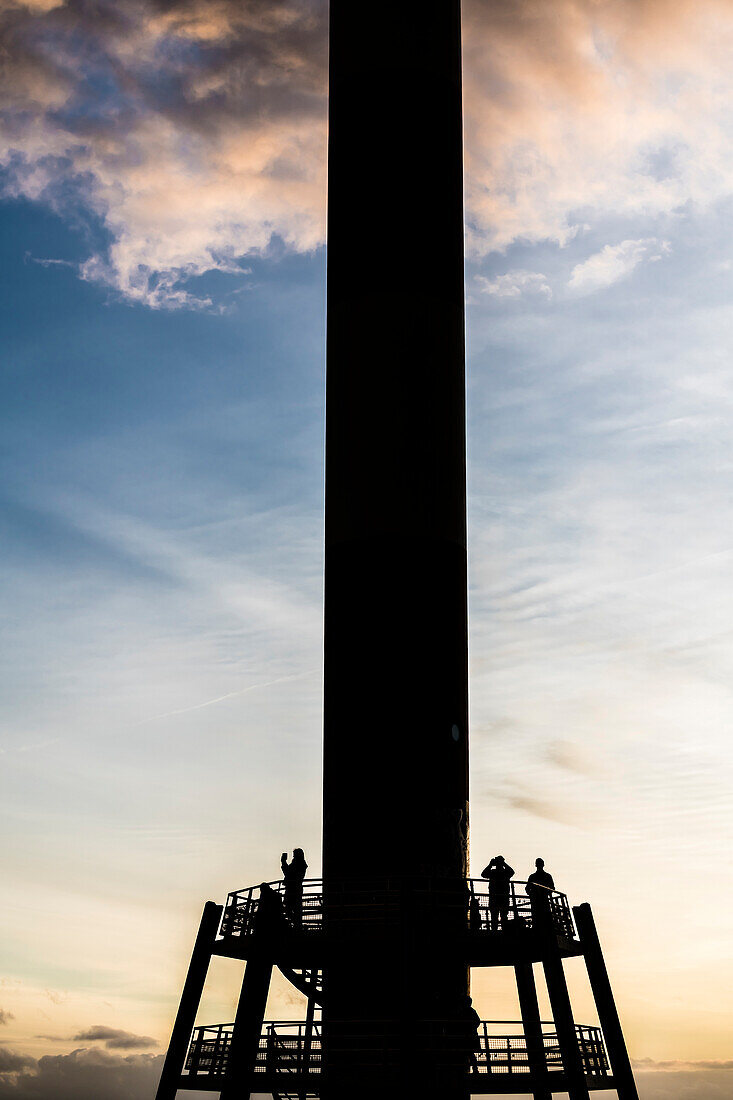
(221, 698)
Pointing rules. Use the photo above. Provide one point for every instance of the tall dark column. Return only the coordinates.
(395, 736)
(605, 1004)
(190, 998)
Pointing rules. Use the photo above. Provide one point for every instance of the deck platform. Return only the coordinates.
(290, 1058)
(304, 941)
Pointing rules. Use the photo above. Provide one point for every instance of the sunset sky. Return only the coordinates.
(162, 167)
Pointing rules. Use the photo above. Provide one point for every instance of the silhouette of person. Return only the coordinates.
(499, 874)
(469, 1043)
(540, 884)
(269, 913)
(294, 873)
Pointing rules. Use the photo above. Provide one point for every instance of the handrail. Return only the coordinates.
(486, 911)
(288, 1047)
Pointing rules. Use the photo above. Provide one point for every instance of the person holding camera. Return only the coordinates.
(294, 873)
(499, 874)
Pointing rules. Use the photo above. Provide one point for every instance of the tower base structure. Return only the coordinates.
(293, 1059)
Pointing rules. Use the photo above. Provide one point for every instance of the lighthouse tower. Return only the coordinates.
(382, 947)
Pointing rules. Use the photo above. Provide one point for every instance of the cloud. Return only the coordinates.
(5, 1017)
(650, 1065)
(10, 1062)
(515, 283)
(614, 262)
(114, 1038)
(85, 1075)
(571, 757)
(191, 134)
(696, 1083)
(193, 131)
(518, 796)
(580, 108)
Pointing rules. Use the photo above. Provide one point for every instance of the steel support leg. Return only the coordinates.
(188, 1007)
(530, 1009)
(562, 1014)
(308, 1037)
(605, 1004)
(247, 1027)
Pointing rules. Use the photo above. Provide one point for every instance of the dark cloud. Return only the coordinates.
(10, 1062)
(85, 1075)
(95, 1074)
(114, 1038)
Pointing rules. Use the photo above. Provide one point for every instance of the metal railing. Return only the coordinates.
(516, 913)
(288, 1049)
(242, 912)
(519, 911)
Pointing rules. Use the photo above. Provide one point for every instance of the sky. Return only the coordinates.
(162, 173)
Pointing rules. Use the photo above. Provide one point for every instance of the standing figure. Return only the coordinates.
(540, 885)
(294, 873)
(269, 912)
(469, 1040)
(499, 874)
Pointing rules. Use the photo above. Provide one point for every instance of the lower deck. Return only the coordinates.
(292, 1059)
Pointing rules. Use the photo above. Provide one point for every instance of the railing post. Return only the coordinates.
(221, 1050)
(248, 1026)
(189, 1003)
(605, 1004)
(195, 1060)
(532, 1025)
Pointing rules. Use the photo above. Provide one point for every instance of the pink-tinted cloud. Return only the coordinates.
(195, 129)
(581, 107)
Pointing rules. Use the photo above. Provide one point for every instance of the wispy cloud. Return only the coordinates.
(515, 283)
(521, 797)
(229, 695)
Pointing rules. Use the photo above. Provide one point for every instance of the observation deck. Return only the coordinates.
(290, 1057)
(302, 938)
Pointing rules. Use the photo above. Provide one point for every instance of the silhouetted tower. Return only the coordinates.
(383, 946)
(396, 686)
